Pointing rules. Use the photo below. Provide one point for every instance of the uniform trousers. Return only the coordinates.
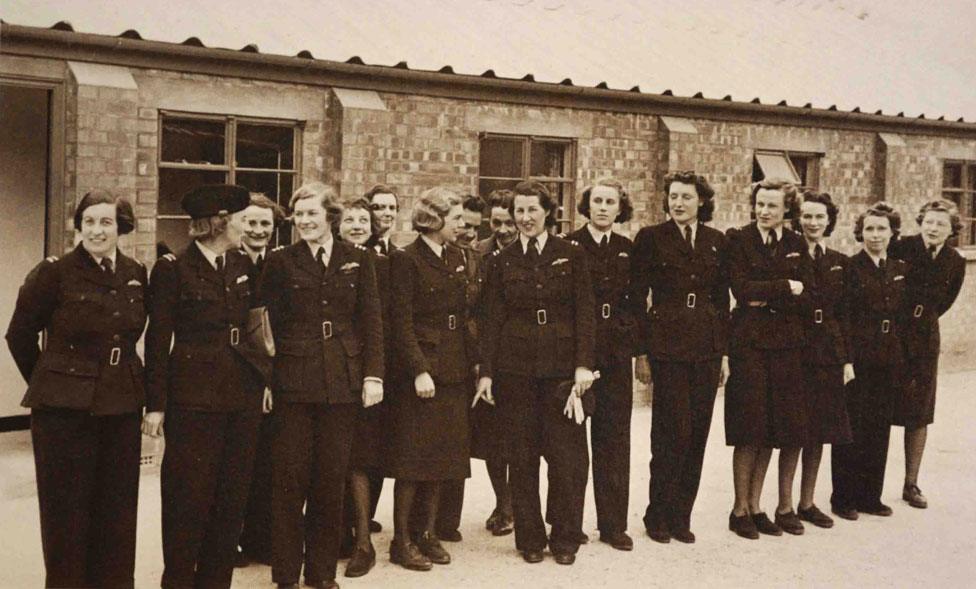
(310, 456)
(681, 416)
(255, 539)
(448, 509)
(205, 479)
(88, 489)
(532, 415)
(610, 431)
(858, 468)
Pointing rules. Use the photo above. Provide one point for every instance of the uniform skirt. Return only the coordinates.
(372, 439)
(430, 436)
(915, 403)
(826, 395)
(765, 402)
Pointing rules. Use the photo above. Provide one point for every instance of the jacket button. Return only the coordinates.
(116, 337)
(71, 370)
(539, 286)
(116, 314)
(112, 292)
(324, 302)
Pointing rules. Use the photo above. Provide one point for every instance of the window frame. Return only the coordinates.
(812, 157)
(967, 199)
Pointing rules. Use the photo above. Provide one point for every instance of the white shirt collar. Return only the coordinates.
(811, 247)
(938, 248)
(681, 229)
(208, 253)
(540, 241)
(253, 254)
(876, 259)
(764, 233)
(598, 235)
(110, 256)
(437, 248)
(327, 245)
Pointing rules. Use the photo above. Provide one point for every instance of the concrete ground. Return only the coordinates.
(914, 548)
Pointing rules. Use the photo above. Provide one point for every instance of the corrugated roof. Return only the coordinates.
(908, 56)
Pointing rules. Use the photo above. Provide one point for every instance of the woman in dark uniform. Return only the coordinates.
(199, 301)
(875, 286)
(608, 255)
(685, 265)
(537, 338)
(935, 275)
(764, 398)
(827, 366)
(85, 392)
(370, 444)
(433, 356)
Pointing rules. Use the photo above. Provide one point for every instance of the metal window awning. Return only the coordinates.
(777, 165)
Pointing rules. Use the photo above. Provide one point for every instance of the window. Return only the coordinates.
(262, 155)
(506, 160)
(803, 169)
(959, 186)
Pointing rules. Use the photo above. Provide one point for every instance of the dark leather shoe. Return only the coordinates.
(375, 527)
(848, 513)
(324, 584)
(876, 509)
(362, 562)
(432, 549)
(582, 538)
(619, 540)
(764, 525)
(449, 535)
(659, 533)
(789, 523)
(743, 526)
(409, 556)
(816, 517)
(564, 557)
(532, 556)
(684, 536)
(913, 495)
(504, 525)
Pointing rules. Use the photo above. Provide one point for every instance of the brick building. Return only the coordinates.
(150, 119)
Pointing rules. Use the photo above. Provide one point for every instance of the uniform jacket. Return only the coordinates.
(932, 287)
(430, 323)
(823, 309)
(256, 378)
(327, 322)
(474, 268)
(616, 316)
(487, 246)
(204, 314)
(688, 320)
(93, 320)
(539, 316)
(875, 302)
(767, 314)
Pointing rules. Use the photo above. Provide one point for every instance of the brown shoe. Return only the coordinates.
(432, 549)
(789, 523)
(743, 526)
(409, 556)
(816, 517)
(913, 495)
(684, 536)
(362, 562)
(765, 525)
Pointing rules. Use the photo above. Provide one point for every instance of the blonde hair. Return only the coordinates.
(434, 204)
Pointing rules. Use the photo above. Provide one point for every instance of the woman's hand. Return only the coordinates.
(642, 370)
(582, 380)
(724, 372)
(373, 392)
(796, 287)
(484, 392)
(152, 424)
(267, 404)
(848, 372)
(424, 385)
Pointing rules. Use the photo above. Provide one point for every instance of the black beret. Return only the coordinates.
(213, 199)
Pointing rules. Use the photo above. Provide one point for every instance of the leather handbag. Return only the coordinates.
(257, 346)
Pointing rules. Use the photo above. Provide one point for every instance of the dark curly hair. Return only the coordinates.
(811, 195)
(358, 202)
(706, 194)
(791, 200)
(533, 188)
(942, 205)
(626, 209)
(124, 217)
(878, 209)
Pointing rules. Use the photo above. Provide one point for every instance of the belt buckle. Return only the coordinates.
(691, 300)
(605, 310)
(885, 326)
(918, 311)
(818, 316)
(540, 317)
(115, 356)
(452, 322)
(326, 329)
(235, 336)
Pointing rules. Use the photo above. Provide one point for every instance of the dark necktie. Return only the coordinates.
(817, 253)
(106, 265)
(531, 251)
(219, 262)
(688, 239)
(881, 265)
(771, 242)
(383, 248)
(604, 241)
(932, 251)
(320, 256)
(258, 260)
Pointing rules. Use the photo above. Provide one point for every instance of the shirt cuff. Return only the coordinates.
(373, 379)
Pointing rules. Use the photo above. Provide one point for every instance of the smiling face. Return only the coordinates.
(453, 225)
(258, 227)
(99, 229)
(683, 202)
(936, 227)
(384, 208)
(813, 220)
(770, 208)
(469, 229)
(530, 216)
(876, 234)
(503, 226)
(604, 207)
(311, 220)
(354, 226)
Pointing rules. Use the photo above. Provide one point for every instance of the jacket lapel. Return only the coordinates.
(92, 271)
(423, 250)
(337, 260)
(306, 262)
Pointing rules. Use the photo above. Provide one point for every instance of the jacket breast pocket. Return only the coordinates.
(190, 371)
(62, 381)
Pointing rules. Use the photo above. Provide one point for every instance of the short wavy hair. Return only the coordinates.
(878, 209)
(626, 209)
(382, 189)
(326, 194)
(431, 209)
(791, 197)
(208, 227)
(811, 195)
(706, 194)
(942, 205)
(538, 189)
(358, 202)
(125, 219)
(259, 199)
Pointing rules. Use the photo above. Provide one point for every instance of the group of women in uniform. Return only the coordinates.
(380, 354)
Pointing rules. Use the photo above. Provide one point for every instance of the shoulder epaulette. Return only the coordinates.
(361, 247)
(278, 248)
(561, 235)
(496, 252)
(574, 242)
(170, 257)
(51, 259)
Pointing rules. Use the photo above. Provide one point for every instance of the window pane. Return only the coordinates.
(173, 184)
(775, 165)
(563, 194)
(265, 146)
(501, 157)
(952, 176)
(192, 141)
(801, 164)
(173, 233)
(485, 187)
(548, 159)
